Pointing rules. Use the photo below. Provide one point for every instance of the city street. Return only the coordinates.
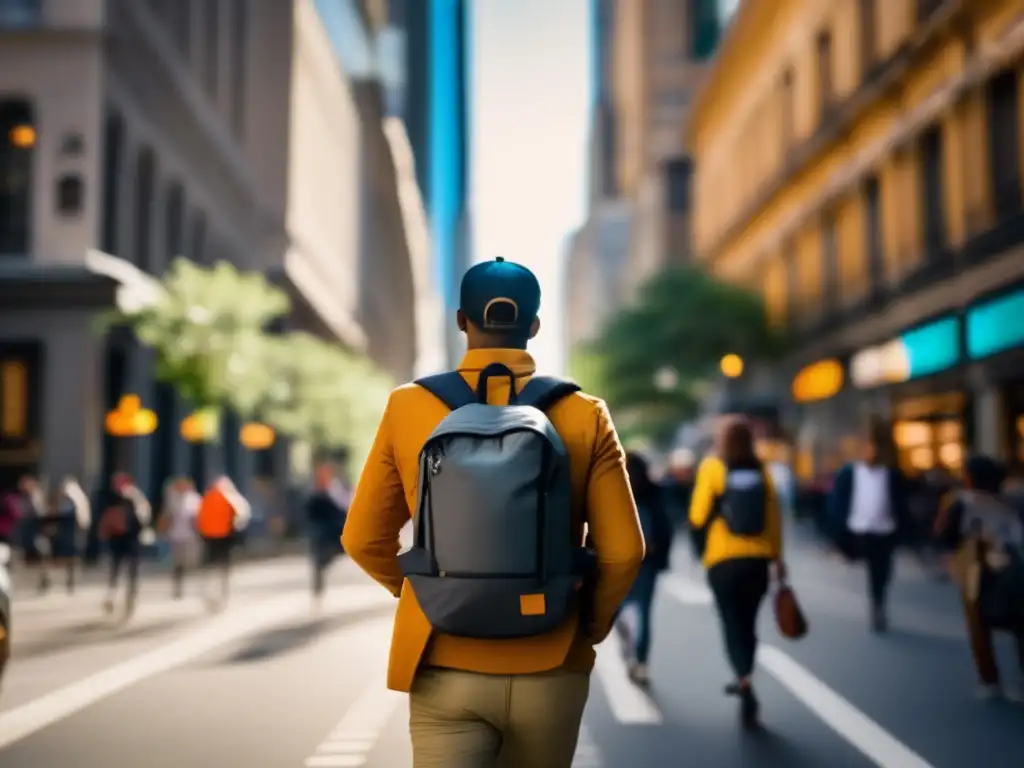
(271, 683)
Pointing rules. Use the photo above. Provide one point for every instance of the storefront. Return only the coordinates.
(995, 342)
(928, 407)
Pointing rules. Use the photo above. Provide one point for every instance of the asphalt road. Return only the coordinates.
(271, 683)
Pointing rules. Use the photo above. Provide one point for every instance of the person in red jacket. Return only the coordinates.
(223, 512)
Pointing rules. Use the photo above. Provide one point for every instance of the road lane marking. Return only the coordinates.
(876, 743)
(354, 737)
(23, 721)
(628, 703)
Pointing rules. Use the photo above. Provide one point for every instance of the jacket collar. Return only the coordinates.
(519, 360)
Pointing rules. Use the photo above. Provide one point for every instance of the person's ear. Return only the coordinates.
(534, 327)
(460, 320)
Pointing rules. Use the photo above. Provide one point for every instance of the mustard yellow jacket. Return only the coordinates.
(721, 543)
(385, 500)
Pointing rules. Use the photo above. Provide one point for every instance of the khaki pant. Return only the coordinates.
(468, 720)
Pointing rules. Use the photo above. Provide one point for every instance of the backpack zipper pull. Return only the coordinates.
(435, 463)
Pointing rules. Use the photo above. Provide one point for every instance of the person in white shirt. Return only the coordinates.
(868, 512)
(181, 505)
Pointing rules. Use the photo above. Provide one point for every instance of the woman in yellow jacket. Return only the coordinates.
(735, 515)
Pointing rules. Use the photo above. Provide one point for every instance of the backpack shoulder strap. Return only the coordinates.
(542, 392)
(450, 388)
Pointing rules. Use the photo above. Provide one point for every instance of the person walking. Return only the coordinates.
(634, 622)
(735, 517)
(67, 512)
(499, 604)
(326, 517)
(223, 514)
(868, 513)
(181, 506)
(125, 518)
(987, 532)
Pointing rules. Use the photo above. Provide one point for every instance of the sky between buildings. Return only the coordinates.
(530, 94)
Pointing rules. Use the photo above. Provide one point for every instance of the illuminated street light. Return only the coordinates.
(732, 366)
(200, 427)
(130, 419)
(22, 136)
(256, 436)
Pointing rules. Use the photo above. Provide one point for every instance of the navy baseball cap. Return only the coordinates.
(500, 296)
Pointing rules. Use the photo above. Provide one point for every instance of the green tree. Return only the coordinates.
(659, 353)
(323, 394)
(206, 326)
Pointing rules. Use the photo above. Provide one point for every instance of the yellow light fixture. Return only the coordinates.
(200, 426)
(22, 136)
(130, 419)
(256, 436)
(818, 381)
(732, 366)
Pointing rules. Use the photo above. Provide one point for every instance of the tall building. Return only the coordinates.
(434, 108)
(861, 164)
(172, 127)
(648, 60)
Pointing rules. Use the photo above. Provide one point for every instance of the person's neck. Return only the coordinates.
(486, 345)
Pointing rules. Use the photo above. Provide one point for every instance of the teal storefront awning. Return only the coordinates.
(933, 347)
(996, 326)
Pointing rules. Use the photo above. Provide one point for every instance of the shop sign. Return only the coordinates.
(919, 352)
(818, 381)
(996, 326)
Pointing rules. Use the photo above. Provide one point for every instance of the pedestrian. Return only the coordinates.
(31, 499)
(499, 604)
(67, 513)
(326, 508)
(10, 516)
(987, 533)
(634, 621)
(868, 513)
(735, 516)
(126, 516)
(181, 506)
(223, 514)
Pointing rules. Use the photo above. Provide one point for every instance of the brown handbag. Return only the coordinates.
(788, 616)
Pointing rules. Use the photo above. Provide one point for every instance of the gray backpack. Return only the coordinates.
(493, 555)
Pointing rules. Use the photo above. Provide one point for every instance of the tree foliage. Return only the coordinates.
(207, 327)
(684, 322)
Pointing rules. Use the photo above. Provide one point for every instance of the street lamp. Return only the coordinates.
(130, 419)
(256, 437)
(200, 427)
(732, 366)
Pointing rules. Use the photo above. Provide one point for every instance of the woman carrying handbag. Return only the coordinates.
(736, 524)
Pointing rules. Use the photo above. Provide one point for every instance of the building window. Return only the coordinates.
(14, 399)
(113, 161)
(211, 45)
(197, 245)
(1004, 143)
(873, 235)
(239, 62)
(174, 222)
(677, 184)
(788, 108)
(17, 146)
(21, 13)
(932, 193)
(868, 35)
(705, 28)
(830, 273)
(145, 179)
(824, 52)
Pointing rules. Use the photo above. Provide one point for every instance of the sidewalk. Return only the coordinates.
(25, 579)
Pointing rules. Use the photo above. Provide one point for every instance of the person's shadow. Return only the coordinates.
(762, 746)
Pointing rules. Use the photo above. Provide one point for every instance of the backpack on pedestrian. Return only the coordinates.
(216, 516)
(742, 505)
(493, 555)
